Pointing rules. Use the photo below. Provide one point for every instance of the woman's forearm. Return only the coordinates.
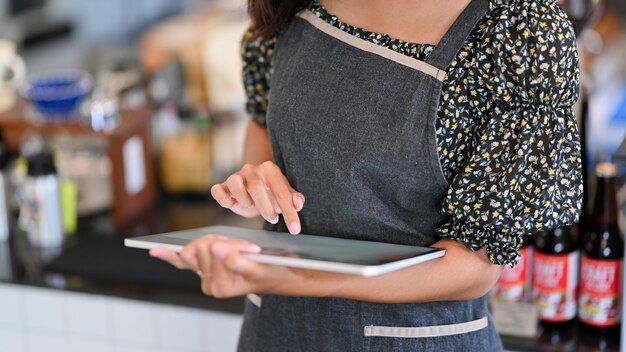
(460, 275)
(257, 148)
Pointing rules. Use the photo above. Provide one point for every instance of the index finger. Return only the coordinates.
(284, 197)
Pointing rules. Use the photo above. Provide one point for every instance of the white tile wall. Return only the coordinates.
(10, 307)
(133, 348)
(84, 344)
(44, 310)
(134, 322)
(89, 316)
(179, 329)
(12, 339)
(34, 319)
(37, 341)
(213, 338)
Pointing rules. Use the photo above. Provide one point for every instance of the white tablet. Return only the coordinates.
(356, 257)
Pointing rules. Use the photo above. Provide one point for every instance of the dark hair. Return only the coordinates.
(268, 16)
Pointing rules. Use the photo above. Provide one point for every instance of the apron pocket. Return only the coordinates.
(426, 331)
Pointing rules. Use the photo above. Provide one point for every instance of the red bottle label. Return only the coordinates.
(599, 302)
(514, 283)
(554, 285)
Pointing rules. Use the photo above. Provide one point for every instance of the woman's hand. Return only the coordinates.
(261, 190)
(224, 271)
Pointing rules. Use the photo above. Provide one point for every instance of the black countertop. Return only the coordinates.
(95, 261)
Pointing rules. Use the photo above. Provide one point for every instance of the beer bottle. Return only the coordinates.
(555, 276)
(514, 283)
(603, 251)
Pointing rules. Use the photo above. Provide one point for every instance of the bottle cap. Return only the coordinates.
(41, 165)
(606, 170)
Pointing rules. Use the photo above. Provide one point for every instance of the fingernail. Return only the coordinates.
(253, 248)
(219, 250)
(294, 228)
(275, 220)
(298, 202)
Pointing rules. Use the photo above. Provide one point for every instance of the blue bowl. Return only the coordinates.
(58, 95)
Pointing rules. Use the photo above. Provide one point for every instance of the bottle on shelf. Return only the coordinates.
(514, 283)
(602, 256)
(5, 211)
(555, 276)
(40, 206)
(166, 122)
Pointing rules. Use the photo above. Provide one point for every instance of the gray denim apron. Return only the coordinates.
(352, 126)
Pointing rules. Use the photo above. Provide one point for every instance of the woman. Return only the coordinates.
(465, 142)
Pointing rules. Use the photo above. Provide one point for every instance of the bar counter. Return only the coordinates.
(94, 261)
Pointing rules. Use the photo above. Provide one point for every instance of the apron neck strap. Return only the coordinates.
(451, 43)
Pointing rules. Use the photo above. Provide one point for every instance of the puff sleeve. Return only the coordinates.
(524, 172)
(256, 54)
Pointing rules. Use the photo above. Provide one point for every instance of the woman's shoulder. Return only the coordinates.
(258, 45)
(531, 48)
(533, 20)
(256, 54)
(527, 6)
(529, 22)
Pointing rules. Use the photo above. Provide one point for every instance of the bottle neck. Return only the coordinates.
(605, 202)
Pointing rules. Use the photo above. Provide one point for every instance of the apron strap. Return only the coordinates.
(451, 43)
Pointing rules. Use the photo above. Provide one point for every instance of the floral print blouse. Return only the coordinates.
(507, 136)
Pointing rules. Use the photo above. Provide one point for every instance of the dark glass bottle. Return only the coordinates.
(557, 340)
(601, 265)
(591, 342)
(555, 276)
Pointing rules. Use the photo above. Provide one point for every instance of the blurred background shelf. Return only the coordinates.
(133, 130)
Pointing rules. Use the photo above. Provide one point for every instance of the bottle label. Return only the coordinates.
(513, 284)
(599, 302)
(555, 279)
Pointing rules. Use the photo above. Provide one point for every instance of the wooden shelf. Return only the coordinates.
(15, 125)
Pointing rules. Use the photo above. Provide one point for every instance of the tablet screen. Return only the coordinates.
(314, 247)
